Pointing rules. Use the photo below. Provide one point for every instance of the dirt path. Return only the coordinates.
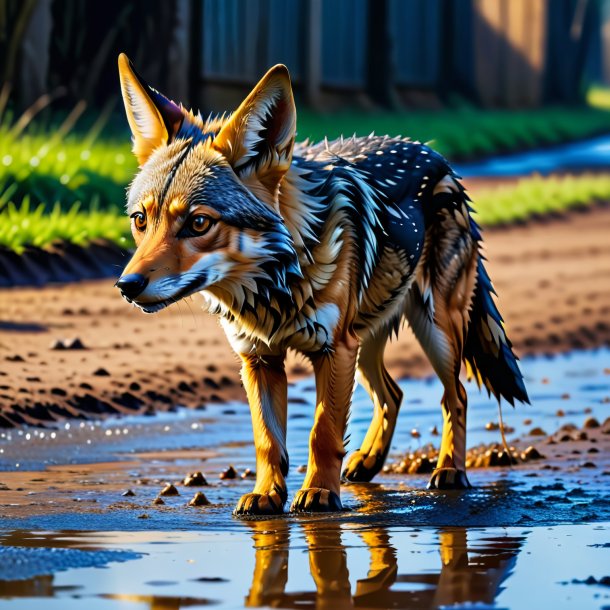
(553, 279)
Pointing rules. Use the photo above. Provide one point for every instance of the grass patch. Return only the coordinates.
(68, 169)
(23, 225)
(539, 196)
(467, 133)
(50, 160)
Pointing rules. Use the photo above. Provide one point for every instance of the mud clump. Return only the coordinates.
(195, 479)
(423, 461)
(169, 490)
(590, 423)
(229, 473)
(199, 499)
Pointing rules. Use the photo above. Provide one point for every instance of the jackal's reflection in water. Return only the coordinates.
(465, 573)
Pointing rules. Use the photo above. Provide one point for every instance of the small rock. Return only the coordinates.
(195, 479)
(74, 343)
(169, 490)
(434, 431)
(588, 465)
(158, 501)
(199, 499)
(560, 413)
(527, 422)
(143, 516)
(248, 474)
(101, 372)
(415, 433)
(58, 344)
(422, 465)
(531, 453)
(591, 422)
(537, 431)
(129, 492)
(492, 425)
(302, 468)
(229, 473)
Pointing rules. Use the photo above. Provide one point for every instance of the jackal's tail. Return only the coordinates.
(488, 351)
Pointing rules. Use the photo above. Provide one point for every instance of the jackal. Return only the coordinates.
(320, 248)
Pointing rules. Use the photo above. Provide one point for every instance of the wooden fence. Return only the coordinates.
(495, 52)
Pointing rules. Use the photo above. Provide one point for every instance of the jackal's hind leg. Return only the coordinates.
(266, 386)
(440, 322)
(334, 372)
(443, 351)
(364, 463)
(450, 471)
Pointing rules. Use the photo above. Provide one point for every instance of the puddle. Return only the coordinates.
(577, 384)
(588, 154)
(69, 539)
(330, 565)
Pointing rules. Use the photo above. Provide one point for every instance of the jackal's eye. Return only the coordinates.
(199, 224)
(139, 221)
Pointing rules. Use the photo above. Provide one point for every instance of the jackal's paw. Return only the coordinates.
(315, 499)
(362, 467)
(261, 504)
(449, 478)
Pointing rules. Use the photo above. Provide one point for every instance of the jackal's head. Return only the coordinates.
(204, 205)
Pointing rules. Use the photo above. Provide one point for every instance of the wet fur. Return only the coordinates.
(324, 249)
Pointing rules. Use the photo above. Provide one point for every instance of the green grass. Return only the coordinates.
(539, 196)
(53, 161)
(22, 225)
(468, 133)
(65, 169)
(85, 167)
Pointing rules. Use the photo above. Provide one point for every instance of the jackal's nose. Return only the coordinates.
(132, 285)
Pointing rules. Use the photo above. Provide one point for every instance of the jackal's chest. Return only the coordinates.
(308, 329)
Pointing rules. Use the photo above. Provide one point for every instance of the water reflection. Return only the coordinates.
(465, 573)
(462, 566)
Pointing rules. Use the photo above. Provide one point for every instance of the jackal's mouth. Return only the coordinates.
(195, 285)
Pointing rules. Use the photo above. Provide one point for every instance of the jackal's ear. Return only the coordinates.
(259, 136)
(154, 120)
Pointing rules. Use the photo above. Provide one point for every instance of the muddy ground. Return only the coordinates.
(553, 278)
(80, 494)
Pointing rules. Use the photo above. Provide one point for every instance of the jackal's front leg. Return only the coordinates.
(265, 382)
(334, 372)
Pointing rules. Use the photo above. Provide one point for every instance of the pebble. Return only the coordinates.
(129, 492)
(199, 499)
(169, 490)
(591, 422)
(531, 453)
(158, 501)
(229, 473)
(195, 479)
(537, 431)
(248, 474)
